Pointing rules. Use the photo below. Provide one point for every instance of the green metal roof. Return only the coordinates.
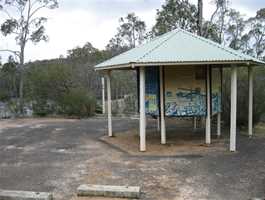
(175, 48)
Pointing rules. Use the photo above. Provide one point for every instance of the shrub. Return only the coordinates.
(42, 108)
(242, 97)
(78, 102)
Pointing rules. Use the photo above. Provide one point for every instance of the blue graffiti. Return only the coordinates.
(194, 104)
(216, 103)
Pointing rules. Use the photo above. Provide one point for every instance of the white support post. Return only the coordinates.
(233, 108)
(103, 95)
(250, 101)
(162, 106)
(109, 104)
(142, 110)
(219, 125)
(208, 117)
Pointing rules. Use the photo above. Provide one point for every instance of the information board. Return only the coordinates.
(152, 90)
(185, 91)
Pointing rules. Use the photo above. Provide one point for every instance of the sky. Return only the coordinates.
(76, 22)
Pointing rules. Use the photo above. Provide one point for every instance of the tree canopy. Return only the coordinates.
(176, 14)
(25, 25)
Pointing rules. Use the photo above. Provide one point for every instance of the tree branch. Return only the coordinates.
(16, 53)
(36, 10)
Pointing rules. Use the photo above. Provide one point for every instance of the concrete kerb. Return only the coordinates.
(109, 191)
(24, 195)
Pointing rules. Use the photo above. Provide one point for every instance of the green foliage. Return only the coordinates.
(131, 33)
(53, 90)
(176, 14)
(8, 80)
(9, 26)
(85, 51)
(210, 31)
(71, 86)
(42, 108)
(78, 102)
(23, 22)
(242, 102)
(45, 86)
(234, 29)
(4, 96)
(13, 106)
(132, 29)
(256, 34)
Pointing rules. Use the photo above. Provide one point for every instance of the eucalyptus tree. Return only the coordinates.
(200, 17)
(234, 29)
(216, 24)
(23, 22)
(132, 29)
(256, 34)
(130, 33)
(176, 14)
(8, 76)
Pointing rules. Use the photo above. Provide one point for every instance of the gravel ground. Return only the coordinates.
(57, 155)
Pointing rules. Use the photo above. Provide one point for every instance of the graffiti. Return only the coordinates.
(188, 94)
(186, 103)
(181, 101)
(216, 103)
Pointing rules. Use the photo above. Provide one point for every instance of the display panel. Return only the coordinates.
(185, 91)
(152, 90)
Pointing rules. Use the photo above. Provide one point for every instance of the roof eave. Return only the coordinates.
(120, 66)
(143, 64)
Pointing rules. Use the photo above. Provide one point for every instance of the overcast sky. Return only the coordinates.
(76, 22)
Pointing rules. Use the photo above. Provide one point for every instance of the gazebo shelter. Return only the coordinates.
(180, 75)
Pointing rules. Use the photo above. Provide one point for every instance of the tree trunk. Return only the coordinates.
(21, 95)
(200, 17)
(21, 80)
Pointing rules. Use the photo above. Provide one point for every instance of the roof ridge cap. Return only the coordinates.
(227, 49)
(174, 32)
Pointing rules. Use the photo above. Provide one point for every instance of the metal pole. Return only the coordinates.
(208, 117)
(162, 106)
(250, 101)
(109, 104)
(142, 110)
(233, 108)
(103, 95)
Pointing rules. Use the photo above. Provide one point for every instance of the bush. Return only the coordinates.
(4, 95)
(78, 102)
(42, 108)
(242, 96)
